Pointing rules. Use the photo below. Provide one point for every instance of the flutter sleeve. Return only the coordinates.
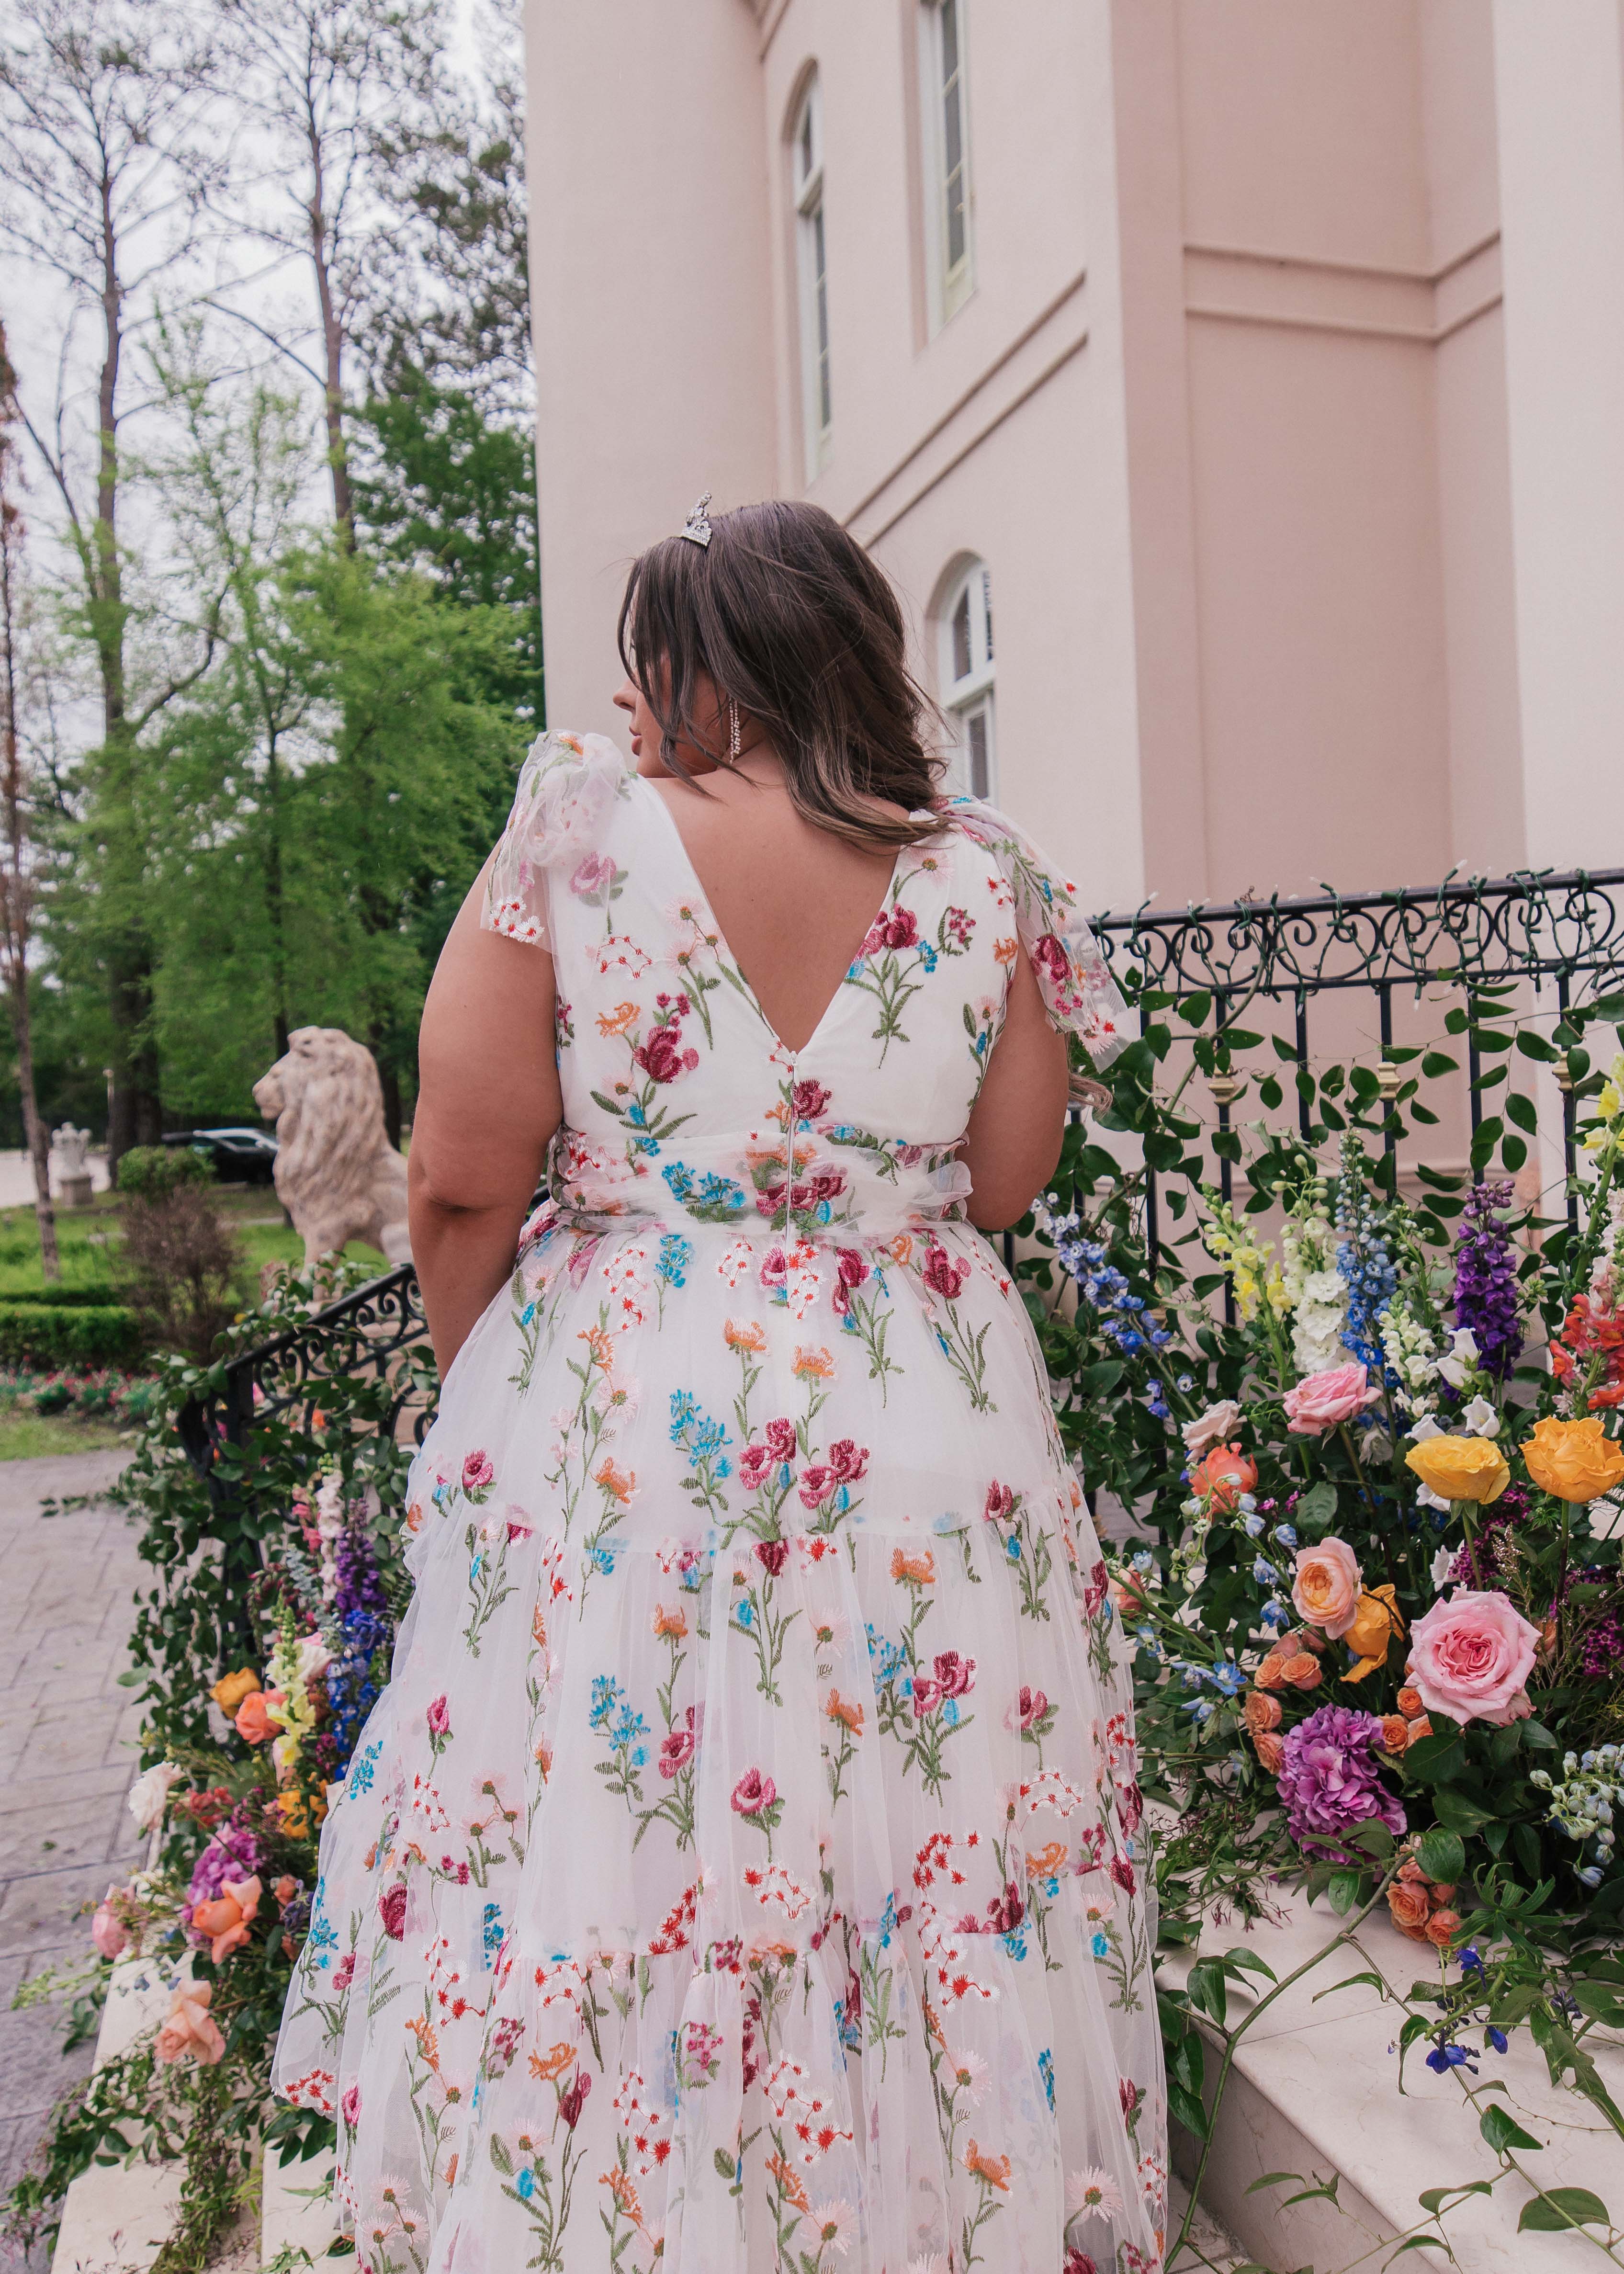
(1078, 992)
(567, 785)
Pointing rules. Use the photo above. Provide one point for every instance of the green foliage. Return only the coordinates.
(152, 1172)
(70, 1334)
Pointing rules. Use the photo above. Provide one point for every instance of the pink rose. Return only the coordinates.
(1328, 1583)
(108, 1931)
(478, 1471)
(350, 2106)
(1325, 1401)
(1471, 1658)
(439, 1717)
(592, 878)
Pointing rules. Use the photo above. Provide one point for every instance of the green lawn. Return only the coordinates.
(88, 1238)
(29, 1436)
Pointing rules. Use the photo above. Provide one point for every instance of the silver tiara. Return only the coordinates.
(696, 529)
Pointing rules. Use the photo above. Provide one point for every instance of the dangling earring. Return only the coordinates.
(732, 743)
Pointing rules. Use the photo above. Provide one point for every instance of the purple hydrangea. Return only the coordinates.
(1485, 1280)
(1329, 1779)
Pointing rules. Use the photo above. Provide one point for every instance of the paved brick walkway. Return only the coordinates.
(67, 1754)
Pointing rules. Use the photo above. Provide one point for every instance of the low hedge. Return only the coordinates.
(75, 1298)
(68, 1334)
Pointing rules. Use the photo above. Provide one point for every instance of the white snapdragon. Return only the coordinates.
(1412, 1355)
(1584, 1801)
(1460, 1360)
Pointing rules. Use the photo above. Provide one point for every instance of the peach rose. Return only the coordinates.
(1471, 1658)
(1394, 1732)
(1323, 1401)
(230, 1691)
(1411, 1907)
(1577, 1460)
(1303, 1672)
(1418, 1728)
(1460, 1468)
(1261, 1711)
(1209, 1429)
(1271, 1672)
(190, 2031)
(1442, 1928)
(1326, 1589)
(256, 1716)
(225, 1919)
(1271, 1751)
(1409, 1702)
(1223, 1476)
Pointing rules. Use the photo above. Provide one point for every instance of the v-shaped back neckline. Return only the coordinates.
(790, 1051)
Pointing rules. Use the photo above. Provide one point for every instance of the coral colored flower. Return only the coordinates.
(1471, 1658)
(745, 1335)
(1442, 1928)
(230, 1691)
(1261, 1711)
(548, 2067)
(619, 1020)
(257, 1715)
(1410, 1907)
(1271, 1751)
(1326, 1587)
(812, 1365)
(1223, 1476)
(1394, 1732)
(920, 1570)
(190, 2032)
(225, 1920)
(1301, 1671)
(672, 1621)
(1323, 1401)
(1575, 1460)
(619, 1483)
(1409, 1701)
(843, 1710)
(1460, 1468)
(994, 2169)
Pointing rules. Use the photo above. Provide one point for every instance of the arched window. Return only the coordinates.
(811, 254)
(964, 632)
(946, 146)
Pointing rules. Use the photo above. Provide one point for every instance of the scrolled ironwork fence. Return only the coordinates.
(1557, 932)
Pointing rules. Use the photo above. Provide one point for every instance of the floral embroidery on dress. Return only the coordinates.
(745, 1868)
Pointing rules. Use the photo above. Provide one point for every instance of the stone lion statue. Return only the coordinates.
(338, 1174)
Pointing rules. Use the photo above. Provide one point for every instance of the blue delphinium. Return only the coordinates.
(1485, 1280)
(1362, 1260)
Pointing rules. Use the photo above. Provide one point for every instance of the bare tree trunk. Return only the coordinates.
(16, 885)
(331, 346)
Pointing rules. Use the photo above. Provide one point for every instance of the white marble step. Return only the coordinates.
(1315, 2091)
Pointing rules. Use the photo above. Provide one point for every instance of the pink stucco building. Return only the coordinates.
(1234, 388)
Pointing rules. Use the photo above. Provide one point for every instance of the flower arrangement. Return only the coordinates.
(1369, 1493)
(257, 1673)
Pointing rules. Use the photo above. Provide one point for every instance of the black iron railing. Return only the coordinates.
(1562, 931)
(361, 1336)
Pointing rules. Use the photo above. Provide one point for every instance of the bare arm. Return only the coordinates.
(1019, 1117)
(488, 1102)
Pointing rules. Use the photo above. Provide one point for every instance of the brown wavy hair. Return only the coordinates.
(793, 622)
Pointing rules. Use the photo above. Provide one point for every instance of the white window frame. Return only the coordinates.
(967, 693)
(951, 281)
(812, 264)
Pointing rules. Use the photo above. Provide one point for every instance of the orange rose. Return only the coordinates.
(1223, 1476)
(1419, 1728)
(1271, 1673)
(225, 1920)
(1442, 1928)
(230, 1691)
(1303, 1672)
(1410, 1906)
(1271, 1751)
(1261, 1711)
(1394, 1732)
(257, 1715)
(1577, 1460)
(1409, 1702)
(1375, 1623)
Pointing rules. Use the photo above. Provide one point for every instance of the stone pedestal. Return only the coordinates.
(74, 1191)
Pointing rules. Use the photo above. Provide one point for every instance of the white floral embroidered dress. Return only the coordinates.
(740, 1871)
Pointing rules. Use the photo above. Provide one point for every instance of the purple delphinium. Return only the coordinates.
(1485, 1280)
(356, 1584)
(1476, 1565)
(1329, 1779)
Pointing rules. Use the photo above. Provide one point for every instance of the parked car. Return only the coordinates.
(241, 1156)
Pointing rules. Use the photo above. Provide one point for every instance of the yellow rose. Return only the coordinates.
(230, 1691)
(1375, 1623)
(1575, 1460)
(1460, 1468)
